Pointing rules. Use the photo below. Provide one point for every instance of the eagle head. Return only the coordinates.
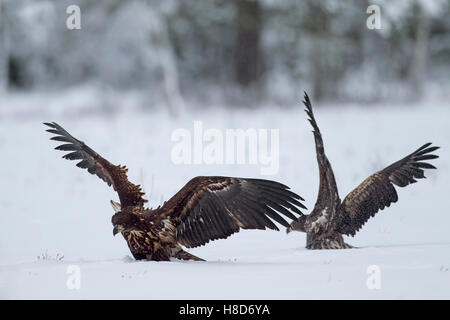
(297, 225)
(123, 220)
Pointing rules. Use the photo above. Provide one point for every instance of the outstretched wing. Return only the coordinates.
(328, 196)
(377, 191)
(129, 194)
(210, 208)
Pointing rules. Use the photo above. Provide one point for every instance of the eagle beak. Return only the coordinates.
(289, 229)
(117, 229)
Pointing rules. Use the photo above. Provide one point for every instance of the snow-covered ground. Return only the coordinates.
(50, 208)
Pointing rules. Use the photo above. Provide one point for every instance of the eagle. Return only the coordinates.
(205, 209)
(332, 218)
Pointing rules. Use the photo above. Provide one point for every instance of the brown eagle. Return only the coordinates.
(206, 208)
(331, 218)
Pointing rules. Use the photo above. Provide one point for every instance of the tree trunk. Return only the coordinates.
(167, 61)
(247, 66)
(4, 47)
(419, 59)
(319, 50)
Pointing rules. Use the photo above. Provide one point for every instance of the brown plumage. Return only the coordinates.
(205, 209)
(331, 218)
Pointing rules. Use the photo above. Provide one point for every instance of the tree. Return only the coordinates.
(247, 63)
(4, 46)
(419, 59)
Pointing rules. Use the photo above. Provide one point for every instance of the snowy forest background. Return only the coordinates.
(235, 53)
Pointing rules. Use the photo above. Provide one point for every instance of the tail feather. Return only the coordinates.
(183, 255)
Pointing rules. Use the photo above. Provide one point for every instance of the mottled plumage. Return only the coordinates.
(205, 209)
(331, 218)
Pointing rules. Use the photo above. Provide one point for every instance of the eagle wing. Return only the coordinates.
(210, 208)
(377, 191)
(129, 194)
(328, 196)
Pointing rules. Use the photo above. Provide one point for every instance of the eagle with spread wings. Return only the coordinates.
(331, 218)
(205, 209)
